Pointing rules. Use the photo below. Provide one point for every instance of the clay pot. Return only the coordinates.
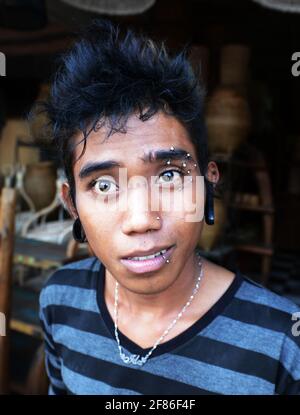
(227, 120)
(212, 233)
(38, 125)
(40, 183)
(14, 129)
(234, 65)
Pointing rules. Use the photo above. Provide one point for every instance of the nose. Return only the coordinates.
(138, 217)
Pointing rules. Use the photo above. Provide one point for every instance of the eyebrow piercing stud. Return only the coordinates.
(168, 162)
(172, 148)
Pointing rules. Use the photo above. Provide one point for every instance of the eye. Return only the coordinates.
(104, 186)
(171, 176)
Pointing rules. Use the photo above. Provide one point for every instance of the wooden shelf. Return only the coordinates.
(261, 209)
(25, 312)
(53, 38)
(26, 328)
(255, 249)
(38, 254)
(227, 158)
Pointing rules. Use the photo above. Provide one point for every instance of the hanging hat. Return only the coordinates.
(112, 7)
(292, 6)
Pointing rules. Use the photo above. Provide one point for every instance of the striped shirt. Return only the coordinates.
(248, 343)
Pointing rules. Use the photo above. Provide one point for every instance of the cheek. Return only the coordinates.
(190, 232)
(186, 205)
(98, 221)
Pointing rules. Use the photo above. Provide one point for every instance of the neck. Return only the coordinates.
(158, 305)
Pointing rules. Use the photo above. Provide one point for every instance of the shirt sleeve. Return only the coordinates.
(52, 360)
(288, 377)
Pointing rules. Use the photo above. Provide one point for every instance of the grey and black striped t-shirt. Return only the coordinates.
(244, 344)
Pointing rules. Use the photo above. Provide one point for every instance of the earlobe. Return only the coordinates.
(213, 172)
(67, 200)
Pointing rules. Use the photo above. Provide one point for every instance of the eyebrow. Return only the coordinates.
(151, 157)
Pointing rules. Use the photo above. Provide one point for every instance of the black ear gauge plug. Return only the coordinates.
(209, 214)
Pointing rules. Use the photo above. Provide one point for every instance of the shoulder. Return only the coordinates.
(70, 283)
(271, 309)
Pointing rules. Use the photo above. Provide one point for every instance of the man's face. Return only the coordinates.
(120, 220)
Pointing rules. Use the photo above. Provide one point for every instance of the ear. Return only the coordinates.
(67, 200)
(212, 174)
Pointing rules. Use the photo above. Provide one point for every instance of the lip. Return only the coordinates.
(149, 252)
(148, 265)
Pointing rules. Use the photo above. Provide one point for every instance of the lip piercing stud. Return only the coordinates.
(157, 217)
(166, 260)
(189, 171)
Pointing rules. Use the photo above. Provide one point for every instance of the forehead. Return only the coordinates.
(160, 131)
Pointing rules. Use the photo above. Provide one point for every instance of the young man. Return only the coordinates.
(147, 314)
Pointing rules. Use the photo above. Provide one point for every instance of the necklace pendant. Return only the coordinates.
(134, 359)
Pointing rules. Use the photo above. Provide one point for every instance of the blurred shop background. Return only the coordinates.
(243, 50)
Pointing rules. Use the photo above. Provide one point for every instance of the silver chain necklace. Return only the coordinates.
(134, 358)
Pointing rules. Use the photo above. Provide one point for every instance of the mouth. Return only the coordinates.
(148, 263)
